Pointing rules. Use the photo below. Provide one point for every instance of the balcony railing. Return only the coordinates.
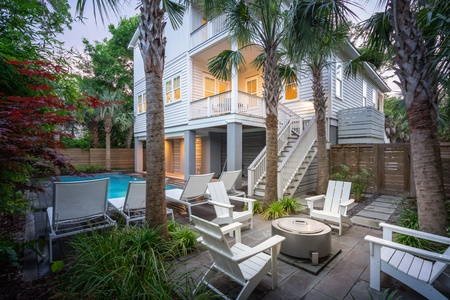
(221, 104)
(207, 31)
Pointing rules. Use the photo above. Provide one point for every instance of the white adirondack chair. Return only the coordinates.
(416, 268)
(132, 206)
(225, 213)
(78, 206)
(193, 192)
(335, 205)
(245, 265)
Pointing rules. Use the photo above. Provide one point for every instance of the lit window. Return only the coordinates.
(210, 87)
(173, 90)
(291, 91)
(252, 86)
(142, 104)
(364, 92)
(339, 80)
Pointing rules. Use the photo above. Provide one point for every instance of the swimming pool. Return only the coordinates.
(118, 183)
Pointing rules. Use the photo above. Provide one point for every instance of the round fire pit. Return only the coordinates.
(303, 237)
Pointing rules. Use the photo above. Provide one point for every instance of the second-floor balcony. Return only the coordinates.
(222, 104)
(207, 31)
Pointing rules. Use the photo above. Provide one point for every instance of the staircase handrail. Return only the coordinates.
(295, 120)
(296, 155)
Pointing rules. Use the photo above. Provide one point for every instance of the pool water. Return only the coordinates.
(118, 183)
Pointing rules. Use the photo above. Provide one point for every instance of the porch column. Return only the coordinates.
(234, 84)
(138, 155)
(234, 149)
(189, 153)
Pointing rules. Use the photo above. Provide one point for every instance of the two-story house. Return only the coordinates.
(213, 125)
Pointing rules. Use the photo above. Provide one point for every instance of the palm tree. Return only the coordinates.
(396, 121)
(316, 31)
(419, 40)
(112, 101)
(125, 120)
(260, 24)
(152, 43)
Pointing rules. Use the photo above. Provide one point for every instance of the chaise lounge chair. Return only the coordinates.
(78, 206)
(192, 193)
(229, 179)
(132, 206)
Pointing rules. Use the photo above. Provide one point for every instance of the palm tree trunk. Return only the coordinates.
(271, 95)
(418, 82)
(320, 105)
(153, 45)
(129, 138)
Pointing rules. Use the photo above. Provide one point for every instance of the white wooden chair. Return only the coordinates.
(336, 202)
(416, 268)
(245, 265)
(225, 213)
(78, 206)
(132, 206)
(193, 190)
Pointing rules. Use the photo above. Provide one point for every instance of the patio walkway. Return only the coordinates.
(345, 277)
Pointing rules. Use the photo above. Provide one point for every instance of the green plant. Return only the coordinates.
(409, 218)
(257, 207)
(360, 180)
(275, 210)
(128, 263)
(183, 238)
(291, 205)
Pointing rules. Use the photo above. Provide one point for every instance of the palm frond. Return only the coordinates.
(175, 12)
(100, 6)
(221, 65)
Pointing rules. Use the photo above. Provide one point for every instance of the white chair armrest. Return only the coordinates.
(420, 234)
(241, 199)
(347, 203)
(269, 243)
(221, 204)
(415, 251)
(310, 200)
(236, 228)
(315, 198)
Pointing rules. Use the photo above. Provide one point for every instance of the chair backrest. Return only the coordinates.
(79, 199)
(229, 178)
(135, 198)
(219, 194)
(196, 186)
(218, 247)
(337, 192)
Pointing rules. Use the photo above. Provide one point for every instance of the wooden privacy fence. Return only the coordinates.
(120, 158)
(390, 163)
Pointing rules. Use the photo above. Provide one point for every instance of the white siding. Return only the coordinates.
(178, 40)
(176, 113)
(140, 119)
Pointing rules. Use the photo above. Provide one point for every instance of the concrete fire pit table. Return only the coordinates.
(305, 238)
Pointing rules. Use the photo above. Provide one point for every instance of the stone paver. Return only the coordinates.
(374, 215)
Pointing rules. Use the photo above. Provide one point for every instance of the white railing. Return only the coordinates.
(221, 104)
(288, 121)
(207, 31)
(288, 168)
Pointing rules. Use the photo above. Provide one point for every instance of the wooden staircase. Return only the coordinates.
(295, 155)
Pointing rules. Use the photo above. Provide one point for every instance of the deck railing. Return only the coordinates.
(207, 31)
(221, 104)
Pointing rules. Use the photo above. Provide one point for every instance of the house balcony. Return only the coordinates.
(222, 104)
(207, 31)
(360, 125)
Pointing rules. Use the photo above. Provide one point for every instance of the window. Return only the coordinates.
(210, 86)
(252, 85)
(364, 93)
(339, 80)
(142, 104)
(290, 91)
(173, 90)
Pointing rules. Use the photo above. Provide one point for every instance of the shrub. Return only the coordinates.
(183, 239)
(275, 210)
(360, 180)
(291, 205)
(128, 263)
(257, 207)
